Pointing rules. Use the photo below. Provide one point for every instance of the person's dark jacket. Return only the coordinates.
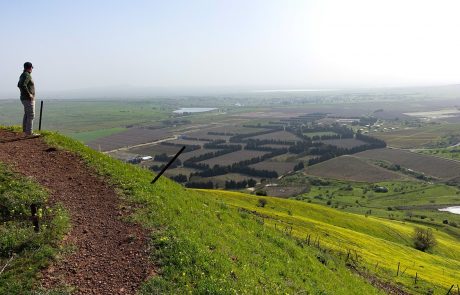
(26, 85)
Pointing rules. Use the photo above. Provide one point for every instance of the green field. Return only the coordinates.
(405, 200)
(87, 136)
(87, 119)
(311, 134)
(221, 242)
(452, 153)
(375, 240)
(427, 135)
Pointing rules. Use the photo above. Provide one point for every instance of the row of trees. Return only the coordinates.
(228, 184)
(235, 168)
(328, 152)
(372, 142)
(339, 130)
(194, 160)
(256, 144)
(272, 127)
(242, 137)
(221, 145)
(208, 185)
(240, 184)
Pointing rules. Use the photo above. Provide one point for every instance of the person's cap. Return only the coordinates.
(28, 65)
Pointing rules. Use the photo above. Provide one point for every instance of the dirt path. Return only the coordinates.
(111, 256)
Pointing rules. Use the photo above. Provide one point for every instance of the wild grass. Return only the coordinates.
(24, 252)
(412, 201)
(376, 241)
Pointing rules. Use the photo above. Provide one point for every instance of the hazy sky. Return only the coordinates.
(242, 43)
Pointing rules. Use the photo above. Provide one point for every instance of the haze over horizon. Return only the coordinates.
(255, 45)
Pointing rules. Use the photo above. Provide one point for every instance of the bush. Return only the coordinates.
(424, 239)
(445, 221)
(262, 203)
(261, 193)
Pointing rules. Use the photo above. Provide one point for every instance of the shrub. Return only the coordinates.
(261, 203)
(261, 193)
(445, 221)
(424, 239)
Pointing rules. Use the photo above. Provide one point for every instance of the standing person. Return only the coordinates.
(27, 88)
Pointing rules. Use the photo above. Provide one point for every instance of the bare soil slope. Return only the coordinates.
(111, 255)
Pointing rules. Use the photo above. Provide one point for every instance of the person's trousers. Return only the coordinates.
(29, 114)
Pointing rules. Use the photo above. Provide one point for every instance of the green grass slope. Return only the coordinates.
(375, 240)
(203, 245)
(222, 242)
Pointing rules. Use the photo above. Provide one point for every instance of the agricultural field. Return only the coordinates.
(154, 149)
(128, 138)
(347, 143)
(317, 119)
(427, 135)
(432, 166)
(452, 153)
(180, 170)
(352, 168)
(204, 135)
(88, 136)
(283, 191)
(273, 152)
(234, 129)
(186, 142)
(280, 167)
(311, 134)
(412, 201)
(275, 146)
(288, 157)
(195, 153)
(87, 120)
(278, 135)
(235, 157)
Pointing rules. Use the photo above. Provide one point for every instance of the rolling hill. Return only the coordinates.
(218, 242)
